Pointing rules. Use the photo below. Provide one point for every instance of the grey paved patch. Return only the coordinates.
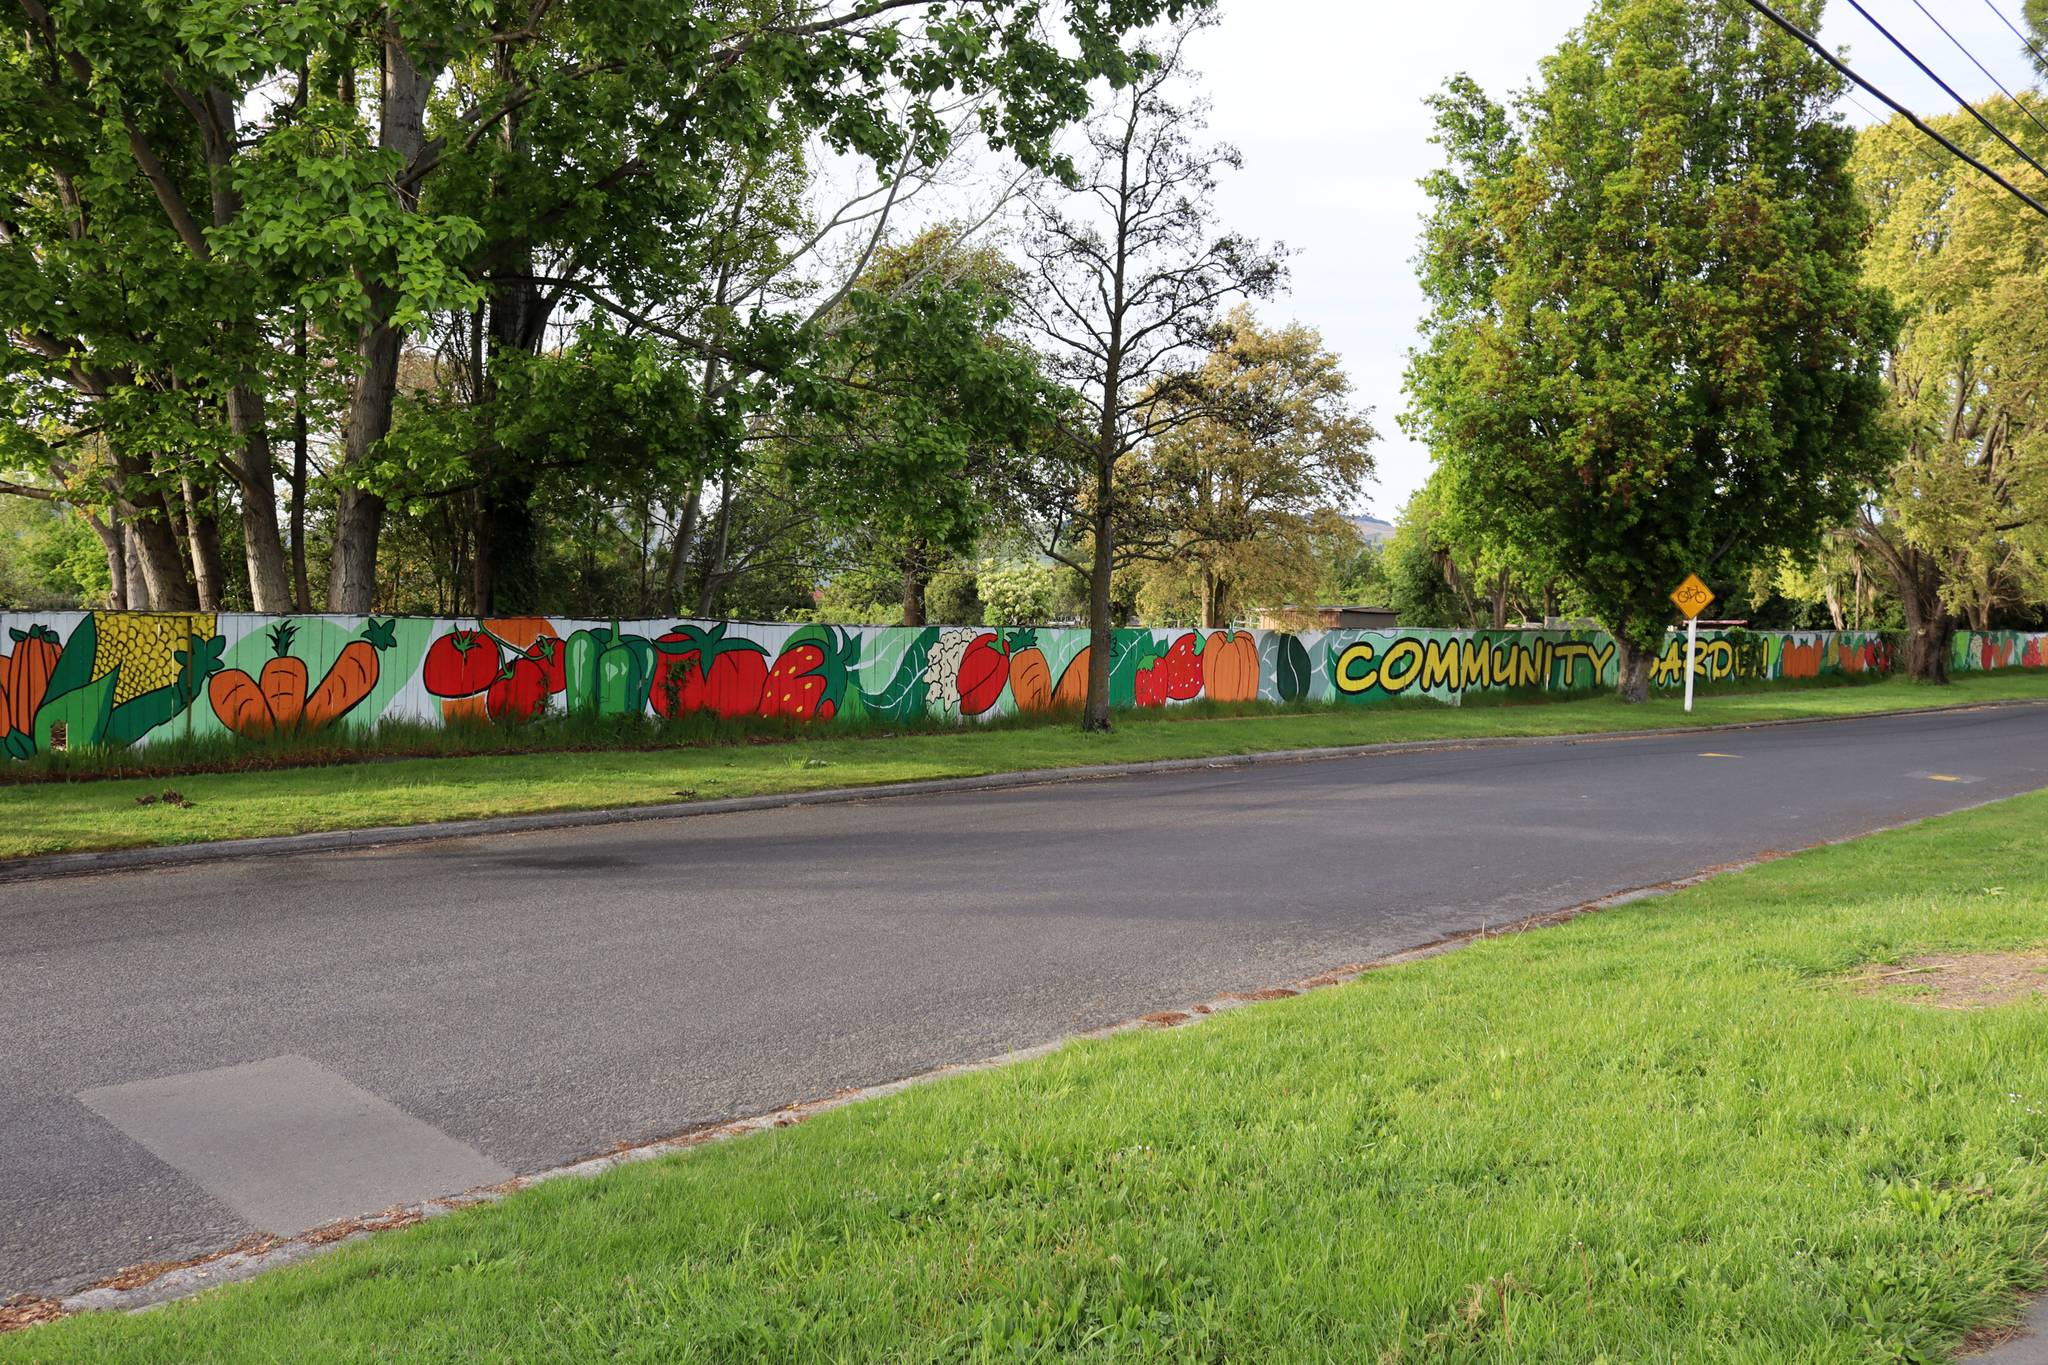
(2028, 1348)
(289, 1145)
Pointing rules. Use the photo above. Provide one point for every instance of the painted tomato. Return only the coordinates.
(520, 692)
(545, 653)
(984, 669)
(1183, 669)
(701, 670)
(461, 663)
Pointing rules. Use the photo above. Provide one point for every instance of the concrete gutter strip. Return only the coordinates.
(330, 841)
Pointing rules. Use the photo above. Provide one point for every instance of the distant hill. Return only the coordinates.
(1372, 530)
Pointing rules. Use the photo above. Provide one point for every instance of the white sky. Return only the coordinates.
(1324, 97)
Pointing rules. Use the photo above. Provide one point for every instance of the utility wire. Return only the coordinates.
(1979, 65)
(2016, 33)
(1838, 64)
(1949, 90)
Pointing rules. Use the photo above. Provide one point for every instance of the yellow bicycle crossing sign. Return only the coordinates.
(1693, 596)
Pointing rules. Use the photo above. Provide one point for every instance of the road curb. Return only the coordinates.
(39, 866)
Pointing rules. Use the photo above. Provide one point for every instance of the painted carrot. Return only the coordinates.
(284, 680)
(239, 704)
(352, 676)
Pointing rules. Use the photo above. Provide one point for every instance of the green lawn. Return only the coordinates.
(1665, 1132)
(57, 817)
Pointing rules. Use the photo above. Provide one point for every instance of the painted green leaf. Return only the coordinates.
(903, 697)
(1290, 668)
(74, 665)
(83, 712)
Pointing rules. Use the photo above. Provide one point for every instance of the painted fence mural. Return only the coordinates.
(112, 679)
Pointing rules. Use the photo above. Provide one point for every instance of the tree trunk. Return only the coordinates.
(302, 588)
(262, 547)
(1215, 601)
(158, 556)
(914, 582)
(202, 535)
(714, 568)
(135, 583)
(1834, 601)
(115, 545)
(679, 547)
(1929, 631)
(507, 550)
(270, 588)
(352, 568)
(1632, 682)
(1095, 716)
(1929, 627)
(508, 535)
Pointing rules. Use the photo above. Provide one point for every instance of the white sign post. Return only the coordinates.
(1692, 654)
(1692, 597)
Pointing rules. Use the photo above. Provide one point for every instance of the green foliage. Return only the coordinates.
(49, 557)
(953, 599)
(1968, 267)
(1260, 452)
(1648, 348)
(1018, 592)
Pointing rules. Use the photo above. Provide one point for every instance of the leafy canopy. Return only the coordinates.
(1648, 350)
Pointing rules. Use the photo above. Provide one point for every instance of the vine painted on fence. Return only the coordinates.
(112, 679)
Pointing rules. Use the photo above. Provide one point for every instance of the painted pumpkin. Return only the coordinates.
(25, 676)
(1231, 666)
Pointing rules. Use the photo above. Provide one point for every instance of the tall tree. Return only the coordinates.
(1648, 351)
(590, 140)
(1960, 521)
(1273, 452)
(1127, 274)
(936, 413)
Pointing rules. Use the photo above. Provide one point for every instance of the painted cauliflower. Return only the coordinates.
(942, 671)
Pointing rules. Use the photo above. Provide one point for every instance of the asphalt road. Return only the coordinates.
(192, 1054)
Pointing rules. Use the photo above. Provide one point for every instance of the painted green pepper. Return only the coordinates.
(606, 672)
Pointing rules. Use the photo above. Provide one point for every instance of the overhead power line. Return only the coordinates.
(1901, 110)
(2016, 33)
(1979, 65)
(1949, 90)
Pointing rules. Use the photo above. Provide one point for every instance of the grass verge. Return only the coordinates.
(1671, 1131)
(54, 817)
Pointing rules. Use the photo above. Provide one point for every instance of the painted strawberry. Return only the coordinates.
(1149, 686)
(809, 679)
(1183, 669)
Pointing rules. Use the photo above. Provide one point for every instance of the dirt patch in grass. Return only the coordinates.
(1969, 981)
(28, 1310)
